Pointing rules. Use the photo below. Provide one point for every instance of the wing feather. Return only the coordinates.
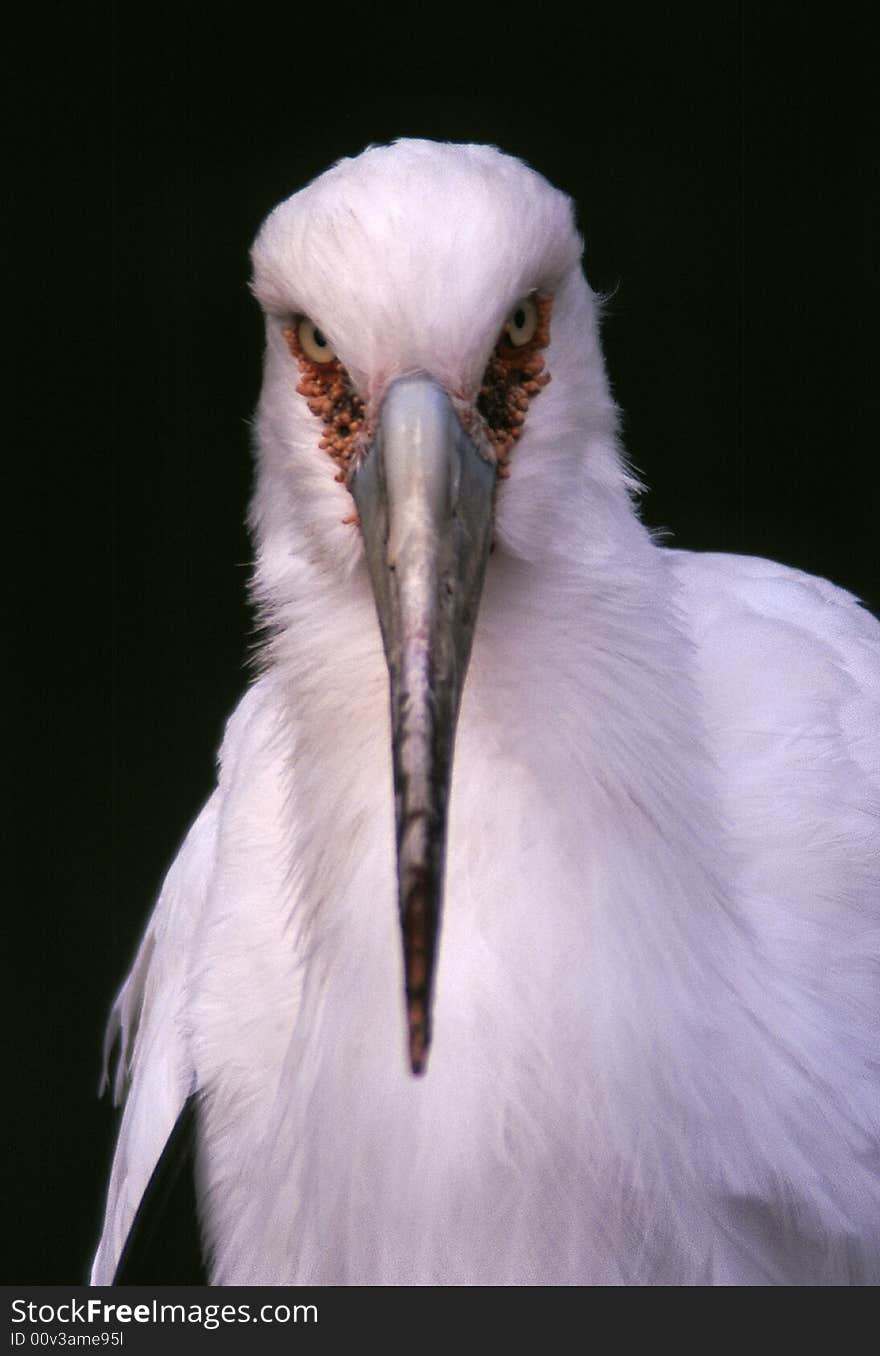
(154, 1071)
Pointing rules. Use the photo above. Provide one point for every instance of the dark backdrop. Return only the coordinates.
(724, 172)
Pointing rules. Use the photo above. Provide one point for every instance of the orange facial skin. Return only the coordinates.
(511, 381)
(513, 377)
(329, 394)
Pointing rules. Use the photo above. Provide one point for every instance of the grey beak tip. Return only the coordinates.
(418, 1052)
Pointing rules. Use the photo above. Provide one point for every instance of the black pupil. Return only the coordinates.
(319, 339)
(519, 318)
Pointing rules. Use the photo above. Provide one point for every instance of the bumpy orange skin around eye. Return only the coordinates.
(511, 381)
(329, 394)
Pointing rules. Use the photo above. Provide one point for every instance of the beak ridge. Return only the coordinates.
(425, 496)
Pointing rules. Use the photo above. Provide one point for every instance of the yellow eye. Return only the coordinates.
(313, 343)
(522, 322)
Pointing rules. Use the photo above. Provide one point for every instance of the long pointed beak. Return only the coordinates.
(424, 495)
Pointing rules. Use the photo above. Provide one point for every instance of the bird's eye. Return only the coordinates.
(313, 343)
(522, 322)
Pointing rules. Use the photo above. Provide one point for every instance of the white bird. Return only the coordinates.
(655, 996)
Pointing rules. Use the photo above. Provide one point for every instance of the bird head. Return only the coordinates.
(433, 389)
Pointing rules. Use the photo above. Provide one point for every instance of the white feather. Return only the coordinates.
(656, 1014)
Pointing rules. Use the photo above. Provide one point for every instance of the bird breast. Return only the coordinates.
(548, 1062)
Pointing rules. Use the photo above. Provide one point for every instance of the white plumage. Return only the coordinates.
(656, 1008)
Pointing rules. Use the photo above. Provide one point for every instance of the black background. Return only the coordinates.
(724, 168)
